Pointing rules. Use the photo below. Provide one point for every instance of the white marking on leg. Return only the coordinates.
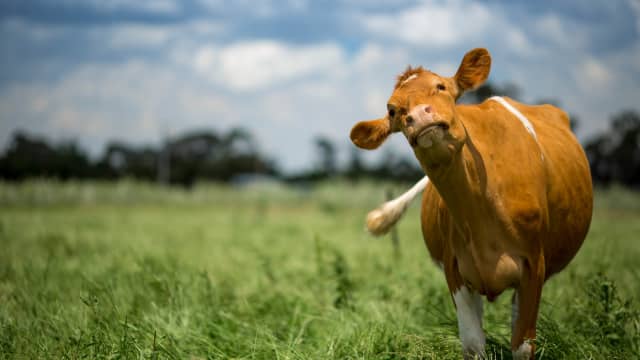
(469, 310)
(523, 352)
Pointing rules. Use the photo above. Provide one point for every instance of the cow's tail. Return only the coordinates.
(382, 219)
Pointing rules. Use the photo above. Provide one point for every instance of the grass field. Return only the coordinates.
(136, 271)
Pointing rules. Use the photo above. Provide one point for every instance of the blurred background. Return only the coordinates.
(180, 91)
(104, 102)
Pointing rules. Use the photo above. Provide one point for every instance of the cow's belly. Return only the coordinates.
(569, 224)
(570, 202)
(490, 275)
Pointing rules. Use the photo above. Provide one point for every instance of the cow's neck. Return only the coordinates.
(463, 186)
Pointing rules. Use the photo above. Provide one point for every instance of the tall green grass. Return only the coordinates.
(130, 270)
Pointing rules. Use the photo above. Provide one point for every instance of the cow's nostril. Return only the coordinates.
(428, 109)
(409, 120)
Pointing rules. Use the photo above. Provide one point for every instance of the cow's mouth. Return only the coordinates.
(432, 132)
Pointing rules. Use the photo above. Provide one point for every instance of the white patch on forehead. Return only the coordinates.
(411, 77)
(469, 311)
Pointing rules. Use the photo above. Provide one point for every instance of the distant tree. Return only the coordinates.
(398, 168)
(192, 156)
(206, 155)
(614, 156)
(243, 156)
(195, 155)
(574, 123)
(355, 168)
(390, 166)
(126, 160)
(239, 141)
(626, 132)
(488, 90)
(326, 153)
(31, 156)
(598, 151)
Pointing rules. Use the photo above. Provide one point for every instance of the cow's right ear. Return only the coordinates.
(370, 134)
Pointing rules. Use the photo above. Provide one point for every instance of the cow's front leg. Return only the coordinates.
(469, 311)
(525, 304)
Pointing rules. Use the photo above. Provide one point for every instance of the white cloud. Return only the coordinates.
(134, 101)
(254, 65)
(19, 28)
(563, 33)
(154, 6)
(518, 43)
(114, 36)
(635, 7)
(550, 26)
(374, 102)
(431, 24)
(370, 55)
(256, 8)
(592, 75)
(154, 36)
(136, 35)
(444, 68)
(372, 73)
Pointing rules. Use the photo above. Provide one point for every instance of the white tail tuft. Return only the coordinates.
(382, 219)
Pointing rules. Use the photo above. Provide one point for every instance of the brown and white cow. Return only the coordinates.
(508, 197)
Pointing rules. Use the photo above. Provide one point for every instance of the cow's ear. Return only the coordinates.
(370, 134)
(473, 71)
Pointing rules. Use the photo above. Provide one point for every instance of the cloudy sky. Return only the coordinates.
(138, 70)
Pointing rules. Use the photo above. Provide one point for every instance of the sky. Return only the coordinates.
(288, 71)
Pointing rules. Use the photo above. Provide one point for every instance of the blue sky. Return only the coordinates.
(97, 70)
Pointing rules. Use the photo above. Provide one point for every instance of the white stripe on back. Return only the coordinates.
(523, 119)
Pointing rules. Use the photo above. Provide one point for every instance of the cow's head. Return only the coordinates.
(423, 107)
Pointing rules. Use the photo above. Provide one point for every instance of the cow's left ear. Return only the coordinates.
(370, 134)
(473, 71)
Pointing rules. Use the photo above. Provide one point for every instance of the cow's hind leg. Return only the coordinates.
(526, 301)
(469, 311)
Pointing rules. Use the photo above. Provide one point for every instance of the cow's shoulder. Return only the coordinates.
(542, 115)
(510, 158)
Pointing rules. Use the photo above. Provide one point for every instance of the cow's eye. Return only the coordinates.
(441, 87)
(391, 113)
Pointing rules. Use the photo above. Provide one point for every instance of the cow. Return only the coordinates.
(507, 197)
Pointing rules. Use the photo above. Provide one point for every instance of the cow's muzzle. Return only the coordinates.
(431, 133)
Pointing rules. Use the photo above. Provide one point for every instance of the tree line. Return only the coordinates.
(614, 156)
(182, 160)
